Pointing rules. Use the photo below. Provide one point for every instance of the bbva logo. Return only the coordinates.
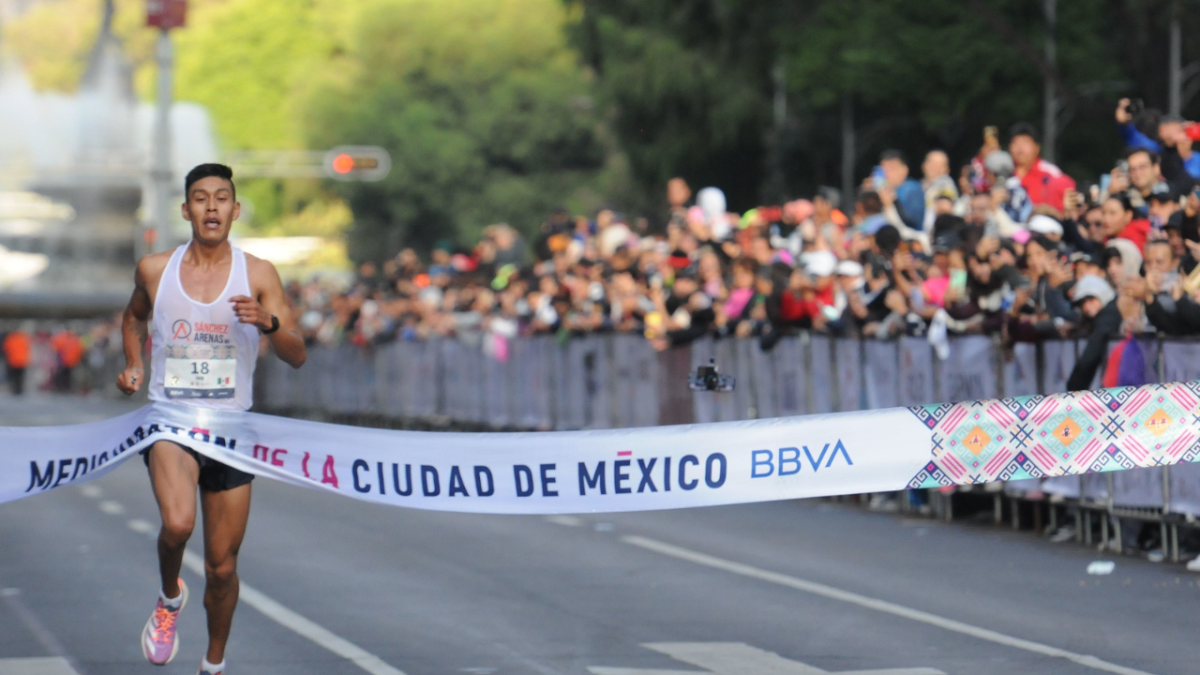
(787, 461)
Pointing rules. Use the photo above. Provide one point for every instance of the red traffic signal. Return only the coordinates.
(343, 164)
(365, 163)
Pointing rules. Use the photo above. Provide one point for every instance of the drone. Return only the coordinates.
(706, 378)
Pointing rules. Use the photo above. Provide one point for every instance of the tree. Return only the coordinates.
(687, 84)
(484, 109)
(244, 60)
(52, 40)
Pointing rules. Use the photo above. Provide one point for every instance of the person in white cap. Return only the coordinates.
(1096, 300)
(819, 263)
(1043, 224)
(847, 291)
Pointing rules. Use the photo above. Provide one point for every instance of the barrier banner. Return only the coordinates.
(882, 374)
(848, 359)
(1059, 359)
(970, 371)
(820, 350)
(644, 468)
(1140, 488)
(916, 371)
(1020, 370)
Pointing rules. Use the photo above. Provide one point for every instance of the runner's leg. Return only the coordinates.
(174, 475)
(225, 516)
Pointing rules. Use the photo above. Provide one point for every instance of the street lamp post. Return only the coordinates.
(164, 15)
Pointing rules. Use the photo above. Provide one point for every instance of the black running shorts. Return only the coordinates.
(214, 476)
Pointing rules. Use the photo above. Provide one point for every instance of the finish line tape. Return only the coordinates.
(644, 468)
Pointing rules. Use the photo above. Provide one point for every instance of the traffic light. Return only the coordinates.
(358, 163)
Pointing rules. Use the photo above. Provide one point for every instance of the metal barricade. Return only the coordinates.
(605, 381)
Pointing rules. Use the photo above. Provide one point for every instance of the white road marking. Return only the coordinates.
(40, 666)
(565, 521)
(56, 664)
(603, 527)
(91, 491)
(736, 658)
(300, 625)
(112, 508)
(876, 604)
(141, 526)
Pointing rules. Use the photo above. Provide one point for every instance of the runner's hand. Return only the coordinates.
(250, 311)
(130, 380)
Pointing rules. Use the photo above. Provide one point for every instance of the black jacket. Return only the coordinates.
(1184, 320)
(1105, 325)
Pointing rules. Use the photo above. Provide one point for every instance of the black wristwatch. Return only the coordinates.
(274, 325)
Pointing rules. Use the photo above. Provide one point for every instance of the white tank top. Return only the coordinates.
(200, 354)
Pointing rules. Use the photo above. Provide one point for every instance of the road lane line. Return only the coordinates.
(112, 508)
(300, 625)
(565, 521)
(141, 526)
(36, 666)
(12, 598)
(91, 491)
(875, 604)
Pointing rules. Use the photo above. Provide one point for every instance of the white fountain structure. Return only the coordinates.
(75, 183)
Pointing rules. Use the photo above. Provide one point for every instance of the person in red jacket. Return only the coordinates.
(1043, 181)
(1120, 222)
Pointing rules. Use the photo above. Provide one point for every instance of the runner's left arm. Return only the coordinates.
(270, 301)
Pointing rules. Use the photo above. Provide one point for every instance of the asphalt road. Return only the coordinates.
(794, 588)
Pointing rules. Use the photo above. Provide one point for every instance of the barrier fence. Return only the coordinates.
(614, 381)
(610, 381)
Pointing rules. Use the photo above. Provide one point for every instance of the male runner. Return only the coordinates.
(205, 305)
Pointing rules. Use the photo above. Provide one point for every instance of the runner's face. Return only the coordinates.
(211, 209)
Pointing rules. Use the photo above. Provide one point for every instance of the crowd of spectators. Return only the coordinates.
(1007, 245)
(60, 359)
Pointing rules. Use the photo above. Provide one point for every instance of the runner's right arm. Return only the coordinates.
(135, 323)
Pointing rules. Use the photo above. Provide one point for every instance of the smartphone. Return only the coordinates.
(958, 280)
(877, 178)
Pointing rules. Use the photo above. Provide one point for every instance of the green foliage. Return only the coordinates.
(484, 109)
(689, 86)
(500, 110)
(243, 59)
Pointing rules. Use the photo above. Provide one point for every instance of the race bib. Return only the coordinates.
(200, 371)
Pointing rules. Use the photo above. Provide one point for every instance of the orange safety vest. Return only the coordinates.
(69, 348)
(17, 348)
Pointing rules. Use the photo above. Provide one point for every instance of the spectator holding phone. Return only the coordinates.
(1172, 144)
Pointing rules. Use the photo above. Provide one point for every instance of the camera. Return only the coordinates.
(706, 378)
